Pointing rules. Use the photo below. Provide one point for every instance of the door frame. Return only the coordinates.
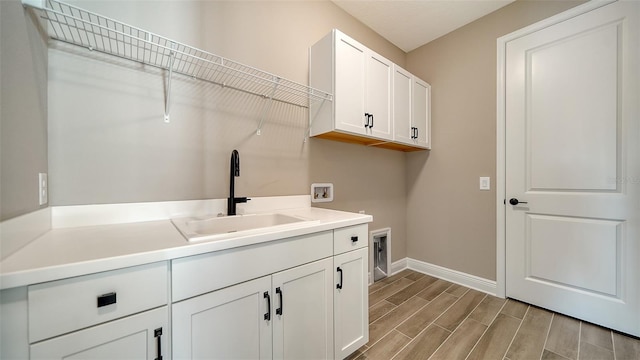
(501, 276)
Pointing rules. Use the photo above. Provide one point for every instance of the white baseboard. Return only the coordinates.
(454, 276)
(398, 266)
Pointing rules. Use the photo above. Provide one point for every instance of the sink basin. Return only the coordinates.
(217, 228)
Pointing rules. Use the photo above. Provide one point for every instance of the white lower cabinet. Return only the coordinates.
(287, 315)
(141, 336)
(119, 314)
(296, 298)
(232, 323)
(351, 302)
(303, 315)
(350, 290)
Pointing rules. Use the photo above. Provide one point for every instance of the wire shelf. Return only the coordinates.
(77, 26)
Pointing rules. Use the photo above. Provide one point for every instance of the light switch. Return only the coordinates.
(485, 183)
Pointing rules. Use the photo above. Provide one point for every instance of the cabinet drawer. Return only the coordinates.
(67, 305)
(200, 274)
(350, 238)
(134, 337)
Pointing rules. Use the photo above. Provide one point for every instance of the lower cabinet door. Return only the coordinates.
(231, 323)
(141, 336)
(303, 312)
(351, 302)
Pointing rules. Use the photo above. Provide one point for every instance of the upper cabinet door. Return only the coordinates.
(349, 94)
(421, 113)
(402, 91)
(378, 96)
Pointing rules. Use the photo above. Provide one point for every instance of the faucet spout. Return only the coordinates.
(234, 171)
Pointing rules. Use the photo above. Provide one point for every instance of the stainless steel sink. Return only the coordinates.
(218, 228)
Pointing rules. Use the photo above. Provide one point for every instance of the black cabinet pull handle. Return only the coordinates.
(339, 285)
(354, 239)
(157, 333)
(106, 299)
(267, 316)
(417, 133)
(371, 126)
(413, 132)
(366, 118)
(279, 310)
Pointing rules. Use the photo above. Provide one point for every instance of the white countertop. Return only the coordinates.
(73, 251)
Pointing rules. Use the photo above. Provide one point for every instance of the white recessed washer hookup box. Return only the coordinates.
(321, 192)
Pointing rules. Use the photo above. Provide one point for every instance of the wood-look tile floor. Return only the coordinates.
(416, 316)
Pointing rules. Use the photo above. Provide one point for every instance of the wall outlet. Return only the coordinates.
(43, 188)
(485, 183)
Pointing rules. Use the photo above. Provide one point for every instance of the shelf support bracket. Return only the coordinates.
(167, 103)
(267, 105)
(312, 119)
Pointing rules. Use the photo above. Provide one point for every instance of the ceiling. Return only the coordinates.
(409, 24)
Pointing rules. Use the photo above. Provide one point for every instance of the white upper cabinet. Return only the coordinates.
(350, 84)
(411, 109)
(402, 84)
(421, 113)
(361, 82)
(378, 96)
(369, 107)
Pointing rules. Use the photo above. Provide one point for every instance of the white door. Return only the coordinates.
(378, 95)
(351, 301)
(303, 312)
(349, 97)
(141, 336)
(232, 323)
(573, 163)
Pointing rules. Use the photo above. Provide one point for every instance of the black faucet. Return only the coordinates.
(232, 200)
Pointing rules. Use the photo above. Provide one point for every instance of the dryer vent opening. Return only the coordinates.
(380, 253)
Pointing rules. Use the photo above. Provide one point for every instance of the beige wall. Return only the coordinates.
(23, 110)
(108, 143)
(366, 179)
(449, 221)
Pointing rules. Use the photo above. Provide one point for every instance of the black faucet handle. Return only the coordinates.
(239, 200)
